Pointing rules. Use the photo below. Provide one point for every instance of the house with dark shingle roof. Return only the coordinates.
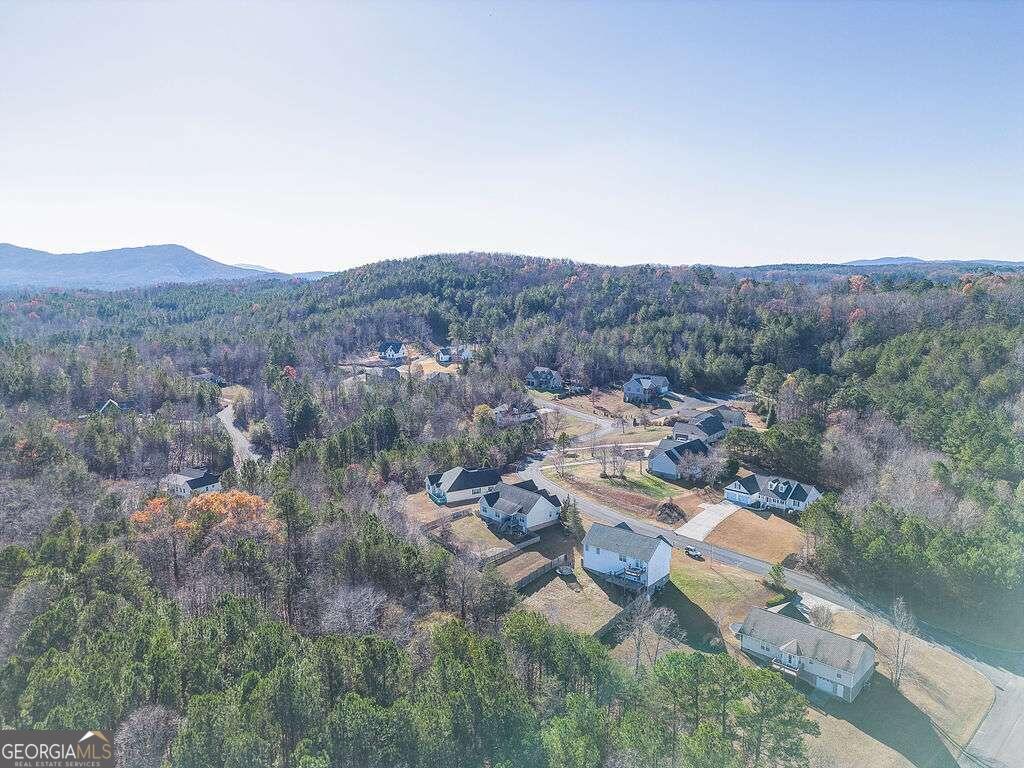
(520, 507)
(392, 351)
(189, 481)
(544, 379)
(673, 459)
(832, 663)
(644, 388)
(771, 492)
(461, 484)
(627, 558)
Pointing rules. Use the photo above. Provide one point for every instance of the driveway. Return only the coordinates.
(998, 742)
(706, 521)
(241, 444)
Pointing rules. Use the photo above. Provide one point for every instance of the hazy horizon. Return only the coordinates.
(316, 136)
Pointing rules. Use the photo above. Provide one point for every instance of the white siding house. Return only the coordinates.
(506, 415)
(392, 351)
(461, 484)
(771, 492)
(626, 558)
(190, 481)
(838, 665)
(672, 459)
(521, 507)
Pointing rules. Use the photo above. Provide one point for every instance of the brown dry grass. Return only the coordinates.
(771, 539)
(523, 564)
(579, 603)
(939, 706)
(474, 536)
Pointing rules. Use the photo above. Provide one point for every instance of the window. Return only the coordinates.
(622, 558)
(597, 550)
(476, 491)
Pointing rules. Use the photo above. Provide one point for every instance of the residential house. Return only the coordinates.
(835, 664)
(544, 379)
(190, 481)
(211, 378)
(771, 492)
(644, 388)
(709, 427)
(520, 507)
(507, 415)
(672, 459)
(627, 558)
(392, 351)
(459, 353)
(461, 484)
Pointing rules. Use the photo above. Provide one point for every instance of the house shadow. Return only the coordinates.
(702, 631)
(886, 715)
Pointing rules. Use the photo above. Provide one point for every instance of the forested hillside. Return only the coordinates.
(300, 619)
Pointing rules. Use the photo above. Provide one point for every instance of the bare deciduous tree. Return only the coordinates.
(354, 610)
(649, 629)
(822, 616)
(145, 736)
(904, 628)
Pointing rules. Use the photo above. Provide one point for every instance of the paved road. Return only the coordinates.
(998, 742)
(242, 446)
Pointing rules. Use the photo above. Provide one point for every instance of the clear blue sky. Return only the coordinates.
(315, 135)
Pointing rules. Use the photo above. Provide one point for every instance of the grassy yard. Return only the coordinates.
(940, 704)
(235, 392)
(771, 538)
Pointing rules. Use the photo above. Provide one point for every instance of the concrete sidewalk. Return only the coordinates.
(705, 522)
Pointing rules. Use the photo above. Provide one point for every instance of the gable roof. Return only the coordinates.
(676, 449)
(647, 380)
(623, 541)
(837, 651)
(194, 477)
(390, 347)
(462, 479)
(520, 497)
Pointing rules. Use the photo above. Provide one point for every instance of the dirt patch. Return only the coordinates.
(522, 565)
(422, 509)
(772, 539)
(577, 602)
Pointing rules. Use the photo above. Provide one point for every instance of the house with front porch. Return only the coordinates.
(771, 492)
(837, 665)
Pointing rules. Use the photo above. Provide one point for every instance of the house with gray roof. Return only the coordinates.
(837, 665)
(189, 481)
(674, 459)
(644, 388)
(709, 427)
(461, 484)
(626, 558)
(520, 507)
(544, 379)
(771, 492)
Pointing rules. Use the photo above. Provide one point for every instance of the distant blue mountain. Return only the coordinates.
(884, 261)
(119, 268)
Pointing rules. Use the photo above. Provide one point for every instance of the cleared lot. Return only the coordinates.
(771, 538)
(577, 602)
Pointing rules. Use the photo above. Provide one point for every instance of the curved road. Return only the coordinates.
(242, 446)
(999, 740)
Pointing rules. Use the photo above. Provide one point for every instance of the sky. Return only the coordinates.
(313, 135)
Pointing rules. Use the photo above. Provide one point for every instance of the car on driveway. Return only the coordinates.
(693, 552)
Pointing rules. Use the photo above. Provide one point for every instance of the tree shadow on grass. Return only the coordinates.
(702, 631)
(886, 715)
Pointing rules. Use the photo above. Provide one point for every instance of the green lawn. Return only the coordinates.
(648, 485)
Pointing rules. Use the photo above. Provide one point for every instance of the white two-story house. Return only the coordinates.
(392, 351)
(461, 484)
(627, 558)
(838, 665)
